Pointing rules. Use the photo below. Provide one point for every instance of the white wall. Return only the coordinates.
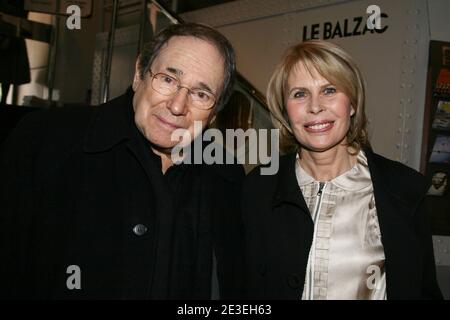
(394, 63)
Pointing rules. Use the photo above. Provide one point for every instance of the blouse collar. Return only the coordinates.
(357, 178)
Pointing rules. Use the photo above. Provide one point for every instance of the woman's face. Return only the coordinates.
(319, 114)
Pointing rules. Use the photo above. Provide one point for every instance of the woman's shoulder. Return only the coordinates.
(393, 166)
(394, 173)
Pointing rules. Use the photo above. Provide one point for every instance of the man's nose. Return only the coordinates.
(178, 103)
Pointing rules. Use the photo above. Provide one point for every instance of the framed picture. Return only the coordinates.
(439, 184)
(441, 150)
(446, 56)
(442, 116)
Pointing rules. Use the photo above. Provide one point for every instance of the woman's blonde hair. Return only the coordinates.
(335, 65)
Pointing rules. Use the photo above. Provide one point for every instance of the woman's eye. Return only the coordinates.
(329, 90)
(298, 94)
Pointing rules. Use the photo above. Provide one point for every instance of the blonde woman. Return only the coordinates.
(337, 221)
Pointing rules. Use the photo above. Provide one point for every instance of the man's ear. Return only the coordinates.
(137, 76)
(212, 118)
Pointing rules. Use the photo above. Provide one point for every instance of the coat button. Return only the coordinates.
(139, 229)
(294, 281)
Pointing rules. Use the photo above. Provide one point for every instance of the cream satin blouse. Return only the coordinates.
(346, 259)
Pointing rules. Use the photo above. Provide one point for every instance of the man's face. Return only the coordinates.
(197, 65)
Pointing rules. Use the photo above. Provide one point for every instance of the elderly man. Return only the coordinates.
(92, 205)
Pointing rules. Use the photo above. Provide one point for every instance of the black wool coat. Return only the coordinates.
(79, 187)
(279, 231)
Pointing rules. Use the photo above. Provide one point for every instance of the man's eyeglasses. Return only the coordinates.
(168, 85)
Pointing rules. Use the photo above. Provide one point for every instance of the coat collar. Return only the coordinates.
(287, 188)
(390, 177)
(383, 174)
(112, 123)
(397, 196)
(354, 179)
(388, 185)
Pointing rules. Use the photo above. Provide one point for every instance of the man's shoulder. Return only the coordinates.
(70, 118)
(63, 118)
(56, 124)
(233, 173)
(256, 177)
(65, 126)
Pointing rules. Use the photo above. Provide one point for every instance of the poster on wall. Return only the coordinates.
(442, 116)
(441, 150)
(436, 137)
(442, 86)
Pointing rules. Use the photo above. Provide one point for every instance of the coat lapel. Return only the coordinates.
(111, 124)
(288, 190)
(397, 234)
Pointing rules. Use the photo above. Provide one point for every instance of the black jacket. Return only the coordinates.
(75, 184)
(279, 231)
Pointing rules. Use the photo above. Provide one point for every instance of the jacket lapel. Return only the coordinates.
(111, 124)
(287, 189)
(396, 233)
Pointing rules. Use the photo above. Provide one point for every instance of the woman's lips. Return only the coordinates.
(319, 126)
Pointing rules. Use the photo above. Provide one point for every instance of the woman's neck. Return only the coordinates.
(327, 165)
